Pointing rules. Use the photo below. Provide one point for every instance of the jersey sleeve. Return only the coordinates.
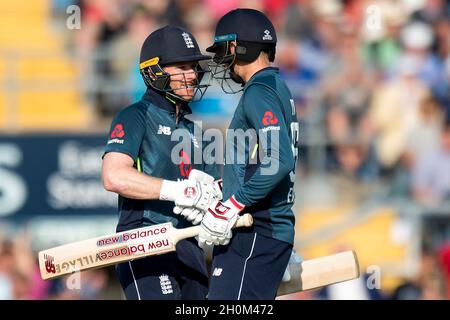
(211, 167)
(263, 112)
(212, 170)
(126, 133)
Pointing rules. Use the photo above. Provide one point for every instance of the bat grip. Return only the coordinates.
(245, 220)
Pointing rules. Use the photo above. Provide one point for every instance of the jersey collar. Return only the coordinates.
(263, 71)
(160, 100)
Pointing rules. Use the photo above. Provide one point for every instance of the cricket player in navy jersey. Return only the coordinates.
(250, 263)
(138, 166)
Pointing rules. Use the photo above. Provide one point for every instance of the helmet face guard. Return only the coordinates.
(221, 65)
(223, 62)
(155, 77)
(221, 68)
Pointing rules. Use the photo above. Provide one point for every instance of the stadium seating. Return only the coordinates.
(371, 237)
(36, 76)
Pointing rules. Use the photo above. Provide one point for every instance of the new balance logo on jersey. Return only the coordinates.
(164, 130)
(188, 40)
(267, 35)
(217, 272)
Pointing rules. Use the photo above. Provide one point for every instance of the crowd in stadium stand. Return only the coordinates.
(374, 79)
(20, 278)
(378, 88)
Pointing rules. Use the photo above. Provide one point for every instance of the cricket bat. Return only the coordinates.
(115, 248)
(323, 271)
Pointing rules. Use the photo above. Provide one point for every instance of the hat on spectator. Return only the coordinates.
(417, 35)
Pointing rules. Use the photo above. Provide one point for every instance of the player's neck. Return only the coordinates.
(250, 69)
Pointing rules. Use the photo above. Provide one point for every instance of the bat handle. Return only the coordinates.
(245, 220)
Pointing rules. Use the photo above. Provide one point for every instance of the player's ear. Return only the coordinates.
(233, 45)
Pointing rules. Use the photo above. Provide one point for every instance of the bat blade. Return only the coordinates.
(115, 248)
(106, 250)
(322, 271)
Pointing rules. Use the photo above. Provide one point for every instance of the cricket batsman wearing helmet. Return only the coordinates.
(251, 263)
(138, 166)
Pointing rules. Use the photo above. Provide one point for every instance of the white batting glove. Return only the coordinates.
(190, 192)
(192, 214)
(218, 221)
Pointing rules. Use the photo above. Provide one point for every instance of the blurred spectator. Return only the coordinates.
(427, 285)
(355, 161)
(381, 46)
(422, 139)
(432, 11)
(318, 48)
(417, 38)
(6, 265)
(356, 289)
(395, 111)
(426, 133)
(177, 11)
(155, 8)
(346, 93)
(299, 78)
(103, 22)
(298, 22)
(219, 8)
(444, 259)
(88, 285)
(124, 56)
(442, 48)
(431, 174)
(200, 25)
(19, 274)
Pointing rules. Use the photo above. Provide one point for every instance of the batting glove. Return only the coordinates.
(195, 215)
(190, 192)
(218, 221)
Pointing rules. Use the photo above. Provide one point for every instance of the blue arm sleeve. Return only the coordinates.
(263, 112)
(127, 132)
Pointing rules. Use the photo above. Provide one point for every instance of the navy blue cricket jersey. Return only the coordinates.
(143, 131)
(264, 181)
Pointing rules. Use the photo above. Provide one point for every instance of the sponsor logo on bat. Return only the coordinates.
(123, 251)
(49, 264)
(138, 234)
(137, 249)
(73, 264)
